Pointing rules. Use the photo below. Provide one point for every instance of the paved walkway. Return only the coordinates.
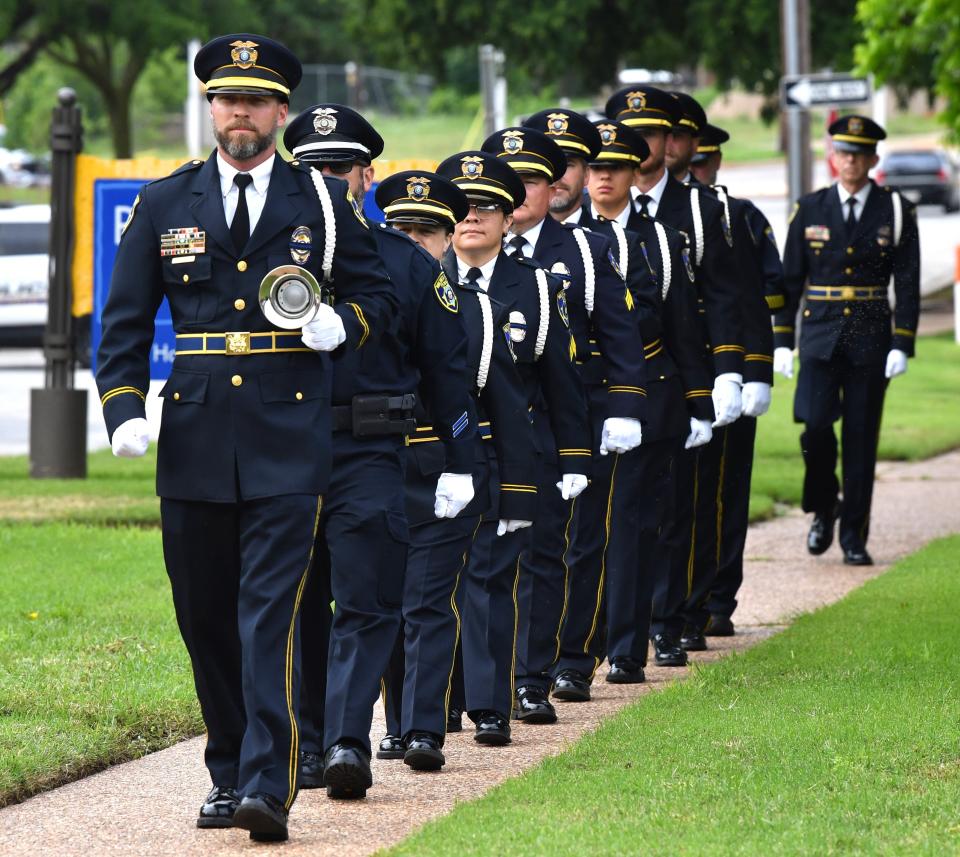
(148, 807)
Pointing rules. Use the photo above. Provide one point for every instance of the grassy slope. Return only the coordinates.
(838, 736)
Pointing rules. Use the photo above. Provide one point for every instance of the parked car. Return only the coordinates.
(24, 278)
(922, 176)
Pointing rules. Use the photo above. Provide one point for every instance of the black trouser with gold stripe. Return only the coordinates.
(237, 571)
(360, 562)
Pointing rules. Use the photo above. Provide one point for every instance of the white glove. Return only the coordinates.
(755, 398)
(896, 363)
(325, 332)
(130, 439)
(783, 361)
(620, 434)
(571, 485)
(701, 433)
(454, 491)
(510, 526)
(726, 398)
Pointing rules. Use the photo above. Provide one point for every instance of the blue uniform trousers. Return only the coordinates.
(238, 571)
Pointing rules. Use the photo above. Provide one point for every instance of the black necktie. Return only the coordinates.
(473, 277)
(518, 242)
(851, 220)
(240, 227)
(644, 201)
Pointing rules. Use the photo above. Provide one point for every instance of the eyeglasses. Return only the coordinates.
(484, 210)
(338, 168)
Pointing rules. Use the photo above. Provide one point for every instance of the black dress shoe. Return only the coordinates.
(264, 816)
(572, 686)
(625, 671)
(532, 706)
(346, 772)
(820, 536)
(857, 556)
(391, 747)
(311, 770)
(454, 720)
(218, 808)
(719, 626)
(692, 640)
(667, 652)
(423, 752)
(492, 729)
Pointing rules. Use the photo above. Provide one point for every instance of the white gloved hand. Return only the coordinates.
(454, 491)
(755, 398)
(571, 485)
(325, 332)
(620, 434)
(510, 526)
(701, 433)
(783, 361)
(726, 398)
(896, 363)
(130, 438)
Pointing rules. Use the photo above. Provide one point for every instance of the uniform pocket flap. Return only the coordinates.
(290, 386)
(183, 387)
(187, 269)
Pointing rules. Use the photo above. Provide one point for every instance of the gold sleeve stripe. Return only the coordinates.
(119, 391)
(782, 328)
(776, 301)
(902, 331)
(722, 348)
(624, 388)
(363, 323)
(573, 452)
(649, 354)
(522, 489)
(696, 394)
(759, 358)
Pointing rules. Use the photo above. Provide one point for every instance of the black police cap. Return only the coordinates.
(484, 178)
(416, 196)
(711, 139)
(642, 105)
(693, 117)
(528, 151)
(247, 64)
(620, 144)
(571, 131)
(856, 134)
(332, 132)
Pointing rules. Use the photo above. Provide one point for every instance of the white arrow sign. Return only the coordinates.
(824, 90)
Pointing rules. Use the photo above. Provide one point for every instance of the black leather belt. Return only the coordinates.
(376, 415)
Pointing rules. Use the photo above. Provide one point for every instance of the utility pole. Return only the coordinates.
(796, 56)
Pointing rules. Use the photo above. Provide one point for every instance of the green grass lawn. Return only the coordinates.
(92, 669)
(838, 736)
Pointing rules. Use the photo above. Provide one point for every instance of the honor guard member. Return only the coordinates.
(714, 465)
(679, 409)
(655, 114)
(364, 538)
(539, 337)
(757, 374)
(610, 358)
(417, 688)
(844, 243)
(244, 445)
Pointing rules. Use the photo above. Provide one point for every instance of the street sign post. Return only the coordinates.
(805, 91)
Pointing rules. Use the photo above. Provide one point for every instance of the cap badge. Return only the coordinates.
(557, 123)
(324, 120)
(636, 100)
(243, 54)
(512, 142)
(301, 243)
(855, 125)
(418, 188)
(608, 134)
(471, 166)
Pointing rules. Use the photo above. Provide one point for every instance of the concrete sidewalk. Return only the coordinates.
(148, 807)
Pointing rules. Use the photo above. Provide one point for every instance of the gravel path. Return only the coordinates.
(148, 807)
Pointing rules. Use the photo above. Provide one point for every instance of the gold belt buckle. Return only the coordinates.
(237, 342)
(847, 293)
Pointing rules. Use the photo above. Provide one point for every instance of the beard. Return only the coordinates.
(242, 148)
(564, 200)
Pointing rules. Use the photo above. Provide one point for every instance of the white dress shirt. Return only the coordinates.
(256, 191)
(621, 218)
(575, 217)
(655, 193)
(531, 236)
(860, 196)
(486, 272)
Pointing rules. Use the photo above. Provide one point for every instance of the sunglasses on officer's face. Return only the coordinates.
(338, 168)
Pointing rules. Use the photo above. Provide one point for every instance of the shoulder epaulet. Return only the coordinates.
(298, 165)
(188, 167)
(523, 260)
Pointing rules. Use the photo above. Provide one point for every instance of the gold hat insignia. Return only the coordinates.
(636, 100)
(557, 123)
(471, 167)
(243, 54)
(512, 142)
(418, 188)
(608, 134)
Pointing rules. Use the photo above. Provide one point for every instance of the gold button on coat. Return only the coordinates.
(848, 271)
(806, 313)
(241, 266)
(176, 397)
(236, 380)
(847, 310)
(849, 251)
(299, 395)
(186, 278)
(239, 304)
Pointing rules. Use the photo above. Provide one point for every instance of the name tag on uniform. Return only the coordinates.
(183, 241)
(817, 233)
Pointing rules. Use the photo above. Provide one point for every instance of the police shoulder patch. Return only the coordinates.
(562, 307)
(688, 267)
(615, 264)
(796, 208)
(445, 294)
(357, 210)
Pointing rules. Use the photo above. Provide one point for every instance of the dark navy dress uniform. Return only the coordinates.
(244, 450)
(840, 279)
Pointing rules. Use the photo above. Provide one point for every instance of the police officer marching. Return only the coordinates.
(243, 458)
(844, 245)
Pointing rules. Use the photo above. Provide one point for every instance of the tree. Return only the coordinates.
(916, 44)
(24, 27)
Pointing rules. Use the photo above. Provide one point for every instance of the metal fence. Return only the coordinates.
(365, 87)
